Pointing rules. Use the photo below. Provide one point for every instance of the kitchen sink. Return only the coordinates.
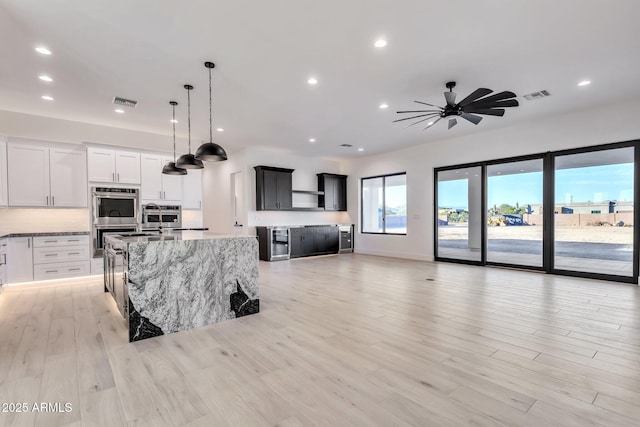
(156, 238)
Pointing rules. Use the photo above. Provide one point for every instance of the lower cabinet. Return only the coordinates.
(47, 257)
(314, 240)
(20, 260)
(56, 257)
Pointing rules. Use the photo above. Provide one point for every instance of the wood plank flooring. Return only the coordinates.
(340, 340)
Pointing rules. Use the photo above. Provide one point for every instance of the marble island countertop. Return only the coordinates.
(145, 237)
(178, 281)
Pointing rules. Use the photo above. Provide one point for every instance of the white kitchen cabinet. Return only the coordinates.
(46, 176)
(4, 195)
(68, 177)
(20, 260)
(55, 257)
(106, 165)
(28, 175)
(192, 190)
(156, 186)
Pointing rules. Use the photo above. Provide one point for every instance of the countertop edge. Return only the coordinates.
(50, 233)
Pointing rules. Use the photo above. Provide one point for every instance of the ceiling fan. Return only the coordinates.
(476, 103)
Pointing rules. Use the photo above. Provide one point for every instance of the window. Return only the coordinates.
(384, 204)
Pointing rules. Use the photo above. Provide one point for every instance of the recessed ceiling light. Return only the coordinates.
(499, 173)
(172, 120)
(584, 83)
(43, 50)
(45, 78)
(430, 123)
(47, 98)
(312, 81)
(521, 170)
(383, 106)
(312, 140)
(360, 149)
(119, 111)
(380, 43)
(220, 130)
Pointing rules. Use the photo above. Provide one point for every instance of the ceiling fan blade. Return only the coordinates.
(478, 93)
(451, 98)
(433, 123)
(452, 123)
(487, 111)
(472, 118)
(494, 104)
(414, 117)
(497, 97)
(419, 111)
(424, 120)
(430, 105)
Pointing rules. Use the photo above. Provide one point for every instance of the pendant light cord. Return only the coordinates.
(189, 116)
(210, 111)
(173, 121)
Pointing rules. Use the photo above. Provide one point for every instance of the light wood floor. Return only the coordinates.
(341, 340)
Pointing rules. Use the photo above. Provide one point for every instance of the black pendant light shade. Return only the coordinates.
(170, 168)
(189, 161)
(210, 152)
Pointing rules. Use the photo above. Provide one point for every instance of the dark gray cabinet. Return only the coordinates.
(273, 188)
(334, 189)
(314, 240)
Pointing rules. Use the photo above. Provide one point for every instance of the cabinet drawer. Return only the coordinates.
(60, 270)
(60, 254)
(48, 241)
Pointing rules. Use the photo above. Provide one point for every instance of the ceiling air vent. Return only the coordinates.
(126, 102)
(346, 145)
(537, 95)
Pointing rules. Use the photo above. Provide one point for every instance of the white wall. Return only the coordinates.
(217, 190)
(611, 123)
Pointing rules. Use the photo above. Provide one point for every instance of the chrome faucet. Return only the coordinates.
(153, 205)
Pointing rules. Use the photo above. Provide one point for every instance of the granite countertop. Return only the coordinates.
(48, 233)
(173, 236)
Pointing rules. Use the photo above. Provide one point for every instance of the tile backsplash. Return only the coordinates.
(43, 220)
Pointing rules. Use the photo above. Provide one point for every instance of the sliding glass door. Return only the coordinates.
(459, 195)
(514, 213)
(568, 212)
(594, 212)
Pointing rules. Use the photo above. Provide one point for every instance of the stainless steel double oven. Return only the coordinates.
(113, 211)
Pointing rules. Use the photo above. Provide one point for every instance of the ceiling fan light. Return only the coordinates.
(211, 152)
(171, 169)
(189, 161)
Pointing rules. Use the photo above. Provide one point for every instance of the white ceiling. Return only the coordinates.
(265, 51)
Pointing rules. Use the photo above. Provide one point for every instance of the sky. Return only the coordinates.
(594, 184)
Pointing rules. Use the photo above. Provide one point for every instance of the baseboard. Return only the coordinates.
(395, 254)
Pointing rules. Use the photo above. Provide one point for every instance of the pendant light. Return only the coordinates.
(189, 161)
(170, 168)
(210, 152)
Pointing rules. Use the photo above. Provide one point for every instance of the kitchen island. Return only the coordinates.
(181, 280)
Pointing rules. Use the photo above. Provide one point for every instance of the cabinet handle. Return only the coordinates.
(47, 200)
(73, 269)
(50, 241)
(51, 271)
(53, 200)
(200, 203)
(50, 254)
(73, 240)
(73, 253)
(118, 175)
(29, 243)
(113, 176)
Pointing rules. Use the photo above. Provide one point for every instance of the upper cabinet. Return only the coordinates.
(116, 166)
(273, 188)
(4, 195)
(334, 187)
(46, 177)
(156, 186)
(192, 189)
